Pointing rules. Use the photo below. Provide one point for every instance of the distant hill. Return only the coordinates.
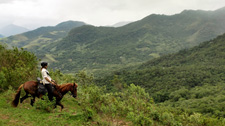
(1, 36)
(12, 30)
(37, 39)
(102, 49)
(120, 24)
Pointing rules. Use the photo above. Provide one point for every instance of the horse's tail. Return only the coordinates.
(17, 97)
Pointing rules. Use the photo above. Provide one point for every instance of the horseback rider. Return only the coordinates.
(47, 80)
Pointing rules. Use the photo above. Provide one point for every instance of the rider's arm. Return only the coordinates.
(46, 78)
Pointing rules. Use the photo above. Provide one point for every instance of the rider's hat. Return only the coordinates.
(43, 64)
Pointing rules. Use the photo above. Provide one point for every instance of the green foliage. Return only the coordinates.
(83, 78)
(191, 78)
(6, 97)
(117, 83)
(2, 80)
(137, 106)
(45, 104)
(131, 106)
(16, 67)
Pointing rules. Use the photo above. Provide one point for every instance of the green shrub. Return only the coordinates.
(140, 120)
(45, 104)
(7, 97)
(88, 113)
(2, 81)
(17, 66)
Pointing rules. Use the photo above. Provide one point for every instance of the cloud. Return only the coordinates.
(9, 1)
(35, 13)
(6, 1)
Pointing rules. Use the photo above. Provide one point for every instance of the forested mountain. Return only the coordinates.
(97, 48)
(40, 37)
(12, 30)
(192, 78)
(102, 49)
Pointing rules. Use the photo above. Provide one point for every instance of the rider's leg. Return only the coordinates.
(50, 92)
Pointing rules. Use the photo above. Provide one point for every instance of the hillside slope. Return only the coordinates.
(197, 64)
(192, 78)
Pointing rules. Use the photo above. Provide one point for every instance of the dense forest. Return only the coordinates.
(192, 78)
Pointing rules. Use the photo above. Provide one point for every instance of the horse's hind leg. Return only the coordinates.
(24, 97)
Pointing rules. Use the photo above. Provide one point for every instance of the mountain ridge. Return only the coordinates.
(190, 30)
(98, 48)
(43, 35)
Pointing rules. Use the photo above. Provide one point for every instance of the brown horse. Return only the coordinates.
(31, 87)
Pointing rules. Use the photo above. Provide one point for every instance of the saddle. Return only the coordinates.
(43, 90)
(41, 87)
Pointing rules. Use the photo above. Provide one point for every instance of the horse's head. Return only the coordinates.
(74, 90)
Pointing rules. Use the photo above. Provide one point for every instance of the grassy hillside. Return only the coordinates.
(101, 49)
(93, 106)
(192, 78)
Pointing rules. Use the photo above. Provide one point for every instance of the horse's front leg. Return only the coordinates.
(60, 104)
(59, 97)
(32, 101)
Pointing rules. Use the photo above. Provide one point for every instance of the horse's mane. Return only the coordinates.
(65, 86)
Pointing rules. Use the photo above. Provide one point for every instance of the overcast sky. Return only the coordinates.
(35, 13)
